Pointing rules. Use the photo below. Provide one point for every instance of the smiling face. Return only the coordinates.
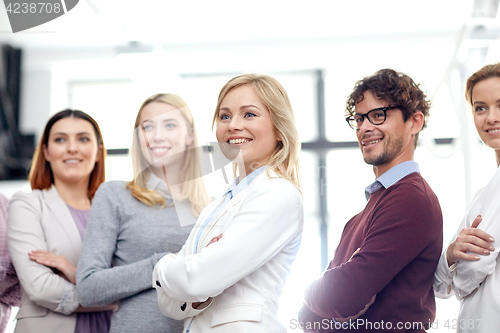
(486, 111)
(244, 122)
(164, 137)
(72, 150)
(388, 144)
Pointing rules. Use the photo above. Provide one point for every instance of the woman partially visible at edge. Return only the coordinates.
(10, 292)
(133, 224)
(46, 227)
(232, 283)
(469, 267)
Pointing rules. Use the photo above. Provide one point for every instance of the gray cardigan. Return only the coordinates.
(124, 239)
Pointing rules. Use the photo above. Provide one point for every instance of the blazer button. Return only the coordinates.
(183, 306)
(158, 283)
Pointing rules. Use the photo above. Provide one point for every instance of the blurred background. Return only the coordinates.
(107, 56)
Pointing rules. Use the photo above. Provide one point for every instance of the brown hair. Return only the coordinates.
(484, 73)
(396, 87)
(41, 176)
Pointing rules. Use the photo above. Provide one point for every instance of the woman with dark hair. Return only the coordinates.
(46, 226)
(469, 267)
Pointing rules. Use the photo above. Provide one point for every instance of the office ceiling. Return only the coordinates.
(115, 23)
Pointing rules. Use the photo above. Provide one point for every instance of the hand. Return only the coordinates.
(60, 263)
(195, 305)
(355, 252)
(215, 239)
(471, 240)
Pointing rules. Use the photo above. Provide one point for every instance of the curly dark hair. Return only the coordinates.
(396, 87)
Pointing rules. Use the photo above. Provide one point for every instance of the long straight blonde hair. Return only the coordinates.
(193, 185)
(285, 159)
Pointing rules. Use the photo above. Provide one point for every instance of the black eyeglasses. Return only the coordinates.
(376, 117)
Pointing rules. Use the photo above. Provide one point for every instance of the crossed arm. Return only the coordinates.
(472, 254)
(396, 236)
(40, 282)
(270, 218)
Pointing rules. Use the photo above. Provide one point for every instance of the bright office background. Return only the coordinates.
(106, 56)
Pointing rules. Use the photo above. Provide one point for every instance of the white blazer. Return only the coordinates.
(244, 271)
(41, 220)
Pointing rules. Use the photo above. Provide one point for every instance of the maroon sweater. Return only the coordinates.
(399, 235)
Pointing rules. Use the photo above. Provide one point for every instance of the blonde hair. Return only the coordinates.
(484, 73)
(193, 185)
(285, 159)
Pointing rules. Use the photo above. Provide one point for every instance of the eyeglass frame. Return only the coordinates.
(365, 116)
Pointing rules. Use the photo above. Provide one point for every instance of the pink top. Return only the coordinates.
(10, 292)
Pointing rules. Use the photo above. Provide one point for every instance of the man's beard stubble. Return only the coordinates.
(390, 151)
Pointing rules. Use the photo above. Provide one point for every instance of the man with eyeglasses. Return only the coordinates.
(380, 279)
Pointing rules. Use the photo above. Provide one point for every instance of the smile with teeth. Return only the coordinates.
(371, 142)
(160, 150)
(236, 141)
(72, 161)
(493, 130)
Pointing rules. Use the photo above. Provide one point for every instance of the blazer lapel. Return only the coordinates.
(233, 202)
(63, 217)
(239, 197)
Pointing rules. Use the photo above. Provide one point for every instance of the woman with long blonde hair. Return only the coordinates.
(229, 275)
(132, 225)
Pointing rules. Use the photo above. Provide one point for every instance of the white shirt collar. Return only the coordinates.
(154, 183)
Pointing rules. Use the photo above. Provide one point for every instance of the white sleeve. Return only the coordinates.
(270, 218)
(443, 278)
(169, 306)
(470, 274)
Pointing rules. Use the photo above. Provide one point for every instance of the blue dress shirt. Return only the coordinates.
(392, 176)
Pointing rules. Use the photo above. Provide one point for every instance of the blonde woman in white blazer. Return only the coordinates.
(469, 267)
(229, 275)
(44, 233)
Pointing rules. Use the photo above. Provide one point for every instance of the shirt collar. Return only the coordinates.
(154, 183)
(237, 186)
(392, 176)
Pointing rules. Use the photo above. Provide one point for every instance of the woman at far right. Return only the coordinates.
(469, 266)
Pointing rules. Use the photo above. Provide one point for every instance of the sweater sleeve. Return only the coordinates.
(402, 227)
(98, 282)
(25, 233)
(269, 219)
